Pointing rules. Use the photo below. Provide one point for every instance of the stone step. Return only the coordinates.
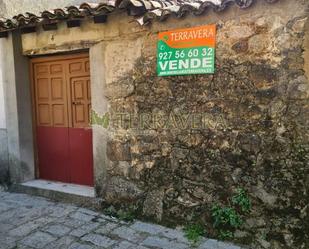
(63, 192)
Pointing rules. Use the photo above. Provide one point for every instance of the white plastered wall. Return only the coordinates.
(2, 107)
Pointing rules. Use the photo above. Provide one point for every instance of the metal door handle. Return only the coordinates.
(76, 102)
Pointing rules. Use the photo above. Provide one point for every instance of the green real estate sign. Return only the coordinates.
(187, 51)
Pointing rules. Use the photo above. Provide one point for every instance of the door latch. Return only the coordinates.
(76, 102)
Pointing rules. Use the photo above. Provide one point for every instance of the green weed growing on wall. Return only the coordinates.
(228, 218)
(193, 232)
(242, 200)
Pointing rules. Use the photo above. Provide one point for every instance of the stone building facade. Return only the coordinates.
(255, 119)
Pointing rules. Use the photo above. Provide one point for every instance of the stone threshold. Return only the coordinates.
(64, 192)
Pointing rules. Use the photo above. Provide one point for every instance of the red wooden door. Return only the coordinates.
(62, 101)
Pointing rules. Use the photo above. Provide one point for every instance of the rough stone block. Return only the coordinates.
(58, 230)
(164, 243)
(209, 244)
(147, 228)
(62, 243)
(24, 229)
(79, 246)
(87, 228)
(128, 234)
(99, 240)
(118, 151)
(174, 235)
(81, 216)
(153, 205)
(37, 240)
(214, 244)
(60, 211)
(128, 245)
(107, 228)
(4, 207)
(7, 242)
(125, 245)
(88, 211)
(121, 168)
(118, 190)
(71, 222)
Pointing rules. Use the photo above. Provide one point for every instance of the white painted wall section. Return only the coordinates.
(2, 107)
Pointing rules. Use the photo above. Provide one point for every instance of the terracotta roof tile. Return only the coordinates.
(145, 11)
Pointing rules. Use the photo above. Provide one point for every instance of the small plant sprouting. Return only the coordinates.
(111, 211)
(193, 232)
(224, 235)
(242, 200)
(228, 218)
(225, 217)
(125, 215)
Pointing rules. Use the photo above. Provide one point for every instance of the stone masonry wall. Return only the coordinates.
(254, 131)
(254, 135)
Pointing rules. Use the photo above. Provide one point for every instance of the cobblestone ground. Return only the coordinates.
(33, 222)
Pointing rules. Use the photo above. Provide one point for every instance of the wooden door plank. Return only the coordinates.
(63, 133)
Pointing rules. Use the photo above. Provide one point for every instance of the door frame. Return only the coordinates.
(19, 112)
(32, 62)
